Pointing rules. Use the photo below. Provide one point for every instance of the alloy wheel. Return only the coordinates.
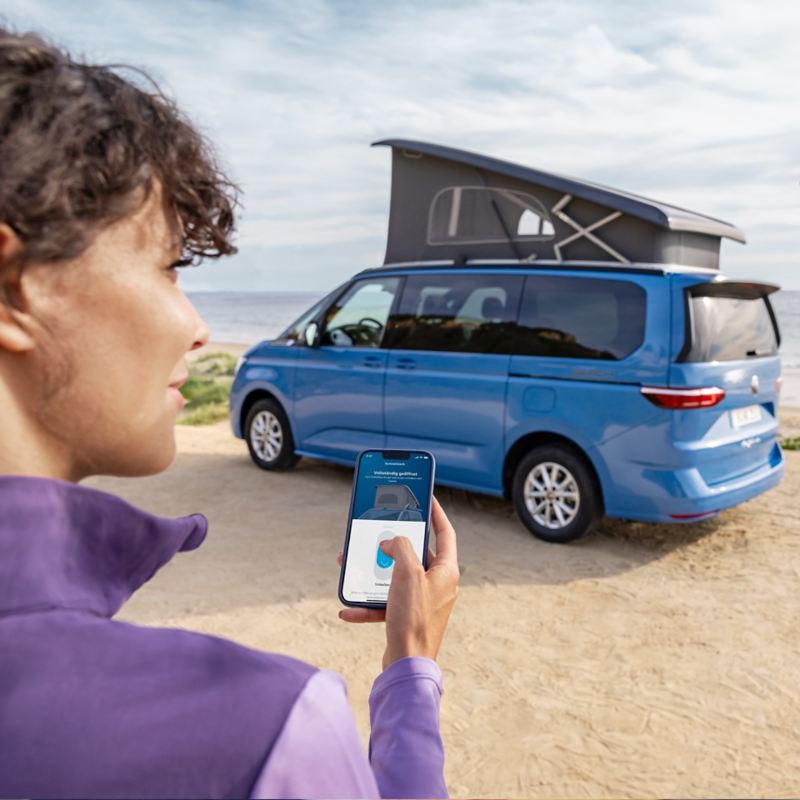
(551, 494)
(266, 435)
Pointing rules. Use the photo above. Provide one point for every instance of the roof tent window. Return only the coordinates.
(533, 224)
(481, 215)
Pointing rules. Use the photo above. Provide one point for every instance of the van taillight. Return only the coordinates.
(779, 384)
(684, 398)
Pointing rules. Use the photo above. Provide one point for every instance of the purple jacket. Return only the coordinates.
(92, 707)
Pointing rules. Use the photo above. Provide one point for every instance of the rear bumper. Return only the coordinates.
(684, 496)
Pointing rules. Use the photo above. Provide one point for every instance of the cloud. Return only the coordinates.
(694, 104)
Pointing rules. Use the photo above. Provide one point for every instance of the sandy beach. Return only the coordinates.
(645, 660)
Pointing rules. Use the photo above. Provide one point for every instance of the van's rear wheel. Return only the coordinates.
(268, 436)
(555, 495)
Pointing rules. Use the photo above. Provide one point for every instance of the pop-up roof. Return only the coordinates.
(452, 204)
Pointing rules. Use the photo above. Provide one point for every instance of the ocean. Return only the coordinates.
(250, 317)
(787, 309)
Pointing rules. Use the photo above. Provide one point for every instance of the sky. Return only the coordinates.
(693, 103)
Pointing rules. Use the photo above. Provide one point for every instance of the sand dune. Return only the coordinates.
(646, 660)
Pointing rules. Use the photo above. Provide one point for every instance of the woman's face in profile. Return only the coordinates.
(119, 327)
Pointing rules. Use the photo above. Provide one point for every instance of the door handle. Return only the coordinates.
(406, 363)
(373, 361)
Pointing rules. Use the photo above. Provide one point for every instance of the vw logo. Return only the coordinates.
(754, 384)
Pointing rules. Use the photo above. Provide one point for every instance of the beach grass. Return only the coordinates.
(217, 363)
(204, 415)
(207, 389)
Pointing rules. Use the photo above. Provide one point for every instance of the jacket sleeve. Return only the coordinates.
(405, 747)
(319, 754)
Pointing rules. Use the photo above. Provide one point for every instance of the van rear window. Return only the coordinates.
(729, 328)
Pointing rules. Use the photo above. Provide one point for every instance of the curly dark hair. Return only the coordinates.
(81, 146)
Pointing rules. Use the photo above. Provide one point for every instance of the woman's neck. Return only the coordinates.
(25, 447)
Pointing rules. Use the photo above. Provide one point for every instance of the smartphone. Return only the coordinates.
(392, 495)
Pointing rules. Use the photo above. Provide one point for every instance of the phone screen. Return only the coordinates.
(391, 496)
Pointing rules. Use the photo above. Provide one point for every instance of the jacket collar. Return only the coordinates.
(63, 545)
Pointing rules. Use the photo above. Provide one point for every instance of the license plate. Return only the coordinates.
(745, 416)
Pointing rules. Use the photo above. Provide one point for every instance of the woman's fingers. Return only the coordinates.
(446, 550)
(445, 538)
(414, 594)
(420, 602)
(362, 615)
(401, 547)
(402, 552)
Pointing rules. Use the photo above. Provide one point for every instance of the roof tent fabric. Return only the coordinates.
(450, 204)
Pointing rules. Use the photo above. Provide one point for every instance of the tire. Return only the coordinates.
(540, 476)
(273, 451)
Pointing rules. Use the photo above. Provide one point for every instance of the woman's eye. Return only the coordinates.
(173, 268)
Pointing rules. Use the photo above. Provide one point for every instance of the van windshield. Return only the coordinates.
(294, 333)
(732, 326)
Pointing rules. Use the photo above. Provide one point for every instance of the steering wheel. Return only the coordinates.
(372, 321)
(365, 332)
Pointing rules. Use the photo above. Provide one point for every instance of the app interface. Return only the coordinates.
(392, 496)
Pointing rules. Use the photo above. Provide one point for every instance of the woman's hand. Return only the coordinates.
(420, 602)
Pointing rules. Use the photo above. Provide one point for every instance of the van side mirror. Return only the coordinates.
(311, 334)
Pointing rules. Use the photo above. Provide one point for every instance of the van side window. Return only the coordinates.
(580, 318)
(358, 317)
(456, 313)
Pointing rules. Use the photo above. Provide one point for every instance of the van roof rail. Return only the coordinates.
(548, 264)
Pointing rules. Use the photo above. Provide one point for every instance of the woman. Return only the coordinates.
(106, 191)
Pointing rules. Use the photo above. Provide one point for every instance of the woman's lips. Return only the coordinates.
(175, 390)
(179, 398)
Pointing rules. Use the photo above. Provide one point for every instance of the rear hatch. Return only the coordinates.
(730, 343)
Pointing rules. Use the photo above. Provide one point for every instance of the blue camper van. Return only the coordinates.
(567, 346)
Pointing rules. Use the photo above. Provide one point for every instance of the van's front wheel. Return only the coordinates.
(555, 495)
(269, 437)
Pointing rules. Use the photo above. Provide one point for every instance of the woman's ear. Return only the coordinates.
(13, 336)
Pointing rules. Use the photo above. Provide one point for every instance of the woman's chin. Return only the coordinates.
(160, 455)
(161, 462)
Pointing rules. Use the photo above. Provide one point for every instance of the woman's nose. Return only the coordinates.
(202, 334)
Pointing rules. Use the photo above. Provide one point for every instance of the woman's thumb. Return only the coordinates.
(399, 548)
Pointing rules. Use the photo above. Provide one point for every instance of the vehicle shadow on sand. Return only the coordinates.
(273, 537)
